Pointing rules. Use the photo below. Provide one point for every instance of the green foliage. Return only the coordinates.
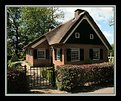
(14, 65)
(13, 24)
(27, 24)
(44, 73)
(28, 63)
(111, 52)
(69, 77)
(17, 81)
(37, 20)
(22, 56)
(14, 58)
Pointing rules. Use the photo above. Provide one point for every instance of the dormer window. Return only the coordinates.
(77, 35)
(91, 36)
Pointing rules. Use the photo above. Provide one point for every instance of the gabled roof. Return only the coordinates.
(35, 41)
(99, 32)
(55, 36)
(61, 33)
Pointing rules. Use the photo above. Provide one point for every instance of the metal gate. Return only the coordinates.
(41, 77)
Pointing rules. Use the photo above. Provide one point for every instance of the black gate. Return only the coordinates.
(41, 77)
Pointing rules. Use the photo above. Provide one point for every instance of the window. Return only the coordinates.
(75, 54)
(91, 36)
(96, 53)
(41, 53)
(77, 35)
(58, 54)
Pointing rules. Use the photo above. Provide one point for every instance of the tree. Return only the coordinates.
(27, 24)
(112, 51)
(13, 23)
(37, 20)
(111, 21)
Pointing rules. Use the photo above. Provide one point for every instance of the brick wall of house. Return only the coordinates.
(29, 59)
(42, 62)
(86, 53)
(58, 62)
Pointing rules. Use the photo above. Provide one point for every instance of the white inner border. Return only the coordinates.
(82, 94)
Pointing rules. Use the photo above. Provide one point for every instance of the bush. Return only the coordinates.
(69, 77)
(14, 65)
(14, 58)
(17, 81)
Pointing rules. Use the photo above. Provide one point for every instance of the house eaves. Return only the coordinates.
(38, 43)
(99, 32)
(34, 42)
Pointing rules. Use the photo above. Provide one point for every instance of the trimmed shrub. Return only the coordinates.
(69, 77)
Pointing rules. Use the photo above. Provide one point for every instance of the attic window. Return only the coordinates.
(91, 36)
(77, 35)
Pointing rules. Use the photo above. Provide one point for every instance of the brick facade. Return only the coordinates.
(86, 53)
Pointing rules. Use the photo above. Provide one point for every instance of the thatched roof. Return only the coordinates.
(59, 34)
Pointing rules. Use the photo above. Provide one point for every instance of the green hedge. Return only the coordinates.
(69, 77)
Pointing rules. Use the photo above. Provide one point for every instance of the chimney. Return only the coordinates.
(77, 12)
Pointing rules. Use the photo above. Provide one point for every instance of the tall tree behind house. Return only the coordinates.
(28, 23)
(13, 23)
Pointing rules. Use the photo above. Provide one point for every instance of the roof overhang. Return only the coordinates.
(38, 43)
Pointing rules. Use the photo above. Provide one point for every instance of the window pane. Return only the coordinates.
(91, 36)
(58, 53)
(75, 54)
(96, 53)
(77, 35)
(41, 54)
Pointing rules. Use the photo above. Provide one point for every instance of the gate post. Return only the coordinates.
(24, 66)
(53, 83)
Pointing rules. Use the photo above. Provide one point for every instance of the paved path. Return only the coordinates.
(107, 90)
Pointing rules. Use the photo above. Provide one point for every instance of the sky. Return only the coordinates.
(101, 16)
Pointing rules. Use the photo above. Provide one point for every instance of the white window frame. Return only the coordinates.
(77, 35)
(96, 49)
(91, 36)
(75, 49)
(44, 50)
(58, 54)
